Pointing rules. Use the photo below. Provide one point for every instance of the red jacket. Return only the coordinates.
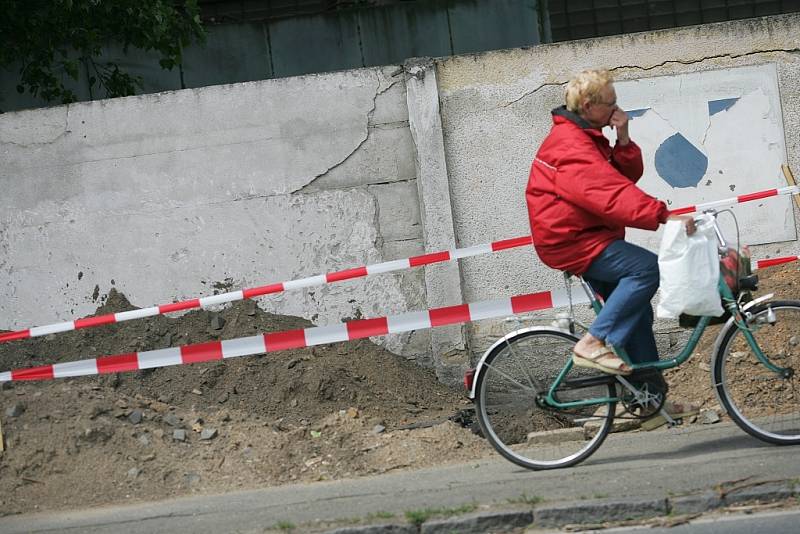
(581, 194)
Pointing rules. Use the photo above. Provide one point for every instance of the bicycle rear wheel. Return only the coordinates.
(762, 402)
(515, 376)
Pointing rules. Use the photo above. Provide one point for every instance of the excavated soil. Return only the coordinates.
(311, 414)
(321, 413)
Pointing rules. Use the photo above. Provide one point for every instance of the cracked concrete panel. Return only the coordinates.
(390, 104)
(398, 211)
(387, 155)
(194, 147)
(165, 194)
(180, 254)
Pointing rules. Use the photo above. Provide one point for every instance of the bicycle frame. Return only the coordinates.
(730, 303)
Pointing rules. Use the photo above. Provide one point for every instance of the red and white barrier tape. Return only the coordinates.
(347, 274)
(741, 199)
(293, 339)
(769, 262)
(385, 267)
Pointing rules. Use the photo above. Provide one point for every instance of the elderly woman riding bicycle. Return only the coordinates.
(581, 195)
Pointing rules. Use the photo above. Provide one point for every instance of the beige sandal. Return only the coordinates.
(604, 360)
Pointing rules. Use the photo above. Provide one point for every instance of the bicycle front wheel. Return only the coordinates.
(763, 402)
(510, 387)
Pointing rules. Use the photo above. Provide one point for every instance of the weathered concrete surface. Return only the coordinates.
(442, 282)
(496, 111)
(174, 195)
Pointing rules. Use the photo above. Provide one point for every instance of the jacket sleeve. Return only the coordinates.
(627, 159)
(584, 178)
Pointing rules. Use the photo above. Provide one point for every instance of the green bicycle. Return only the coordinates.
(541, 412)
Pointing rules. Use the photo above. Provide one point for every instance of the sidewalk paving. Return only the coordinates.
(640, 474)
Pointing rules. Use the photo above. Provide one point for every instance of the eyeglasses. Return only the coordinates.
(609, 104)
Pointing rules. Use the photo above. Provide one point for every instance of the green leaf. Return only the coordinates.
(42, 36)
(71, 68)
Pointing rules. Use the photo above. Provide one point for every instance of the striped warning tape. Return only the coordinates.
(769, 262)
(740, 199)
(293, 339)
(385, 267)
(347, 274)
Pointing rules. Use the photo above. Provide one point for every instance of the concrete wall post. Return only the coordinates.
(442, 282)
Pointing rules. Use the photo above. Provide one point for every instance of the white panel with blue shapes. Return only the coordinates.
(712, 135)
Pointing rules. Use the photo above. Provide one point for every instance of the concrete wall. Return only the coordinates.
(174, 195)
(495, 113)
(178, 194)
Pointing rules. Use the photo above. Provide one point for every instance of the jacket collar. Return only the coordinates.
(565, 115)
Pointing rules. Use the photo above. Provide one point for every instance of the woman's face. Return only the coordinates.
(599, 113)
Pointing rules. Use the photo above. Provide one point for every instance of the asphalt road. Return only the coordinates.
(636, 465)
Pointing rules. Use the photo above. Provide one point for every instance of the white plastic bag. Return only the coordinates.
(689, 267)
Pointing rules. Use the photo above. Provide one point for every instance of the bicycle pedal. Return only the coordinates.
(658, 420)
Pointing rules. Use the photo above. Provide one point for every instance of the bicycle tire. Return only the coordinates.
(520, 429)
(761, 402)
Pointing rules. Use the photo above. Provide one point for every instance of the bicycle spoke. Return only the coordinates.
(509, 383)
(512, 380)
(522, 370)
(763, 402)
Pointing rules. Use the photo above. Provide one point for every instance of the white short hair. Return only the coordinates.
(586, 86)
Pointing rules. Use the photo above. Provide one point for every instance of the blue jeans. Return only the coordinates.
(626, 276)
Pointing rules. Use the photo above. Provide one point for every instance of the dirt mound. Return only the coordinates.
(319, 413)
(309, 414)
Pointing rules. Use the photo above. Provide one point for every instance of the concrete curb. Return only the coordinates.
(479, 523)
(376, 529)
(598, 511)
(765, 493)
(696, 504)
(589, 512)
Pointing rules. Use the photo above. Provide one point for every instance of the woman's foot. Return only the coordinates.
(593, 353)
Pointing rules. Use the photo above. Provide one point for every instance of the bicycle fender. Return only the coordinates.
(505, 338)
(759, 300)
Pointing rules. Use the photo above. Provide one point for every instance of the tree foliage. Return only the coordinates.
(51, 41)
